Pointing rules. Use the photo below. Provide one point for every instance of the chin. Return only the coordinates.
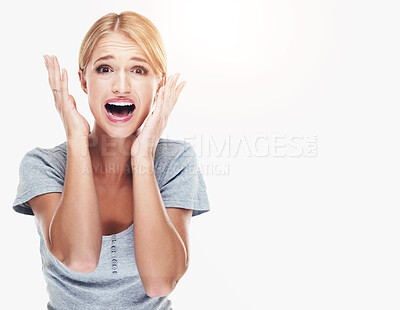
(116, 130)
(120, 133)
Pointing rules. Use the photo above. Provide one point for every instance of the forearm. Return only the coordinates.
(160, 253)
(76, 229)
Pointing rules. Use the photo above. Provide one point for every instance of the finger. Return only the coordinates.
(180, 87)
(64, 85)
(159, 103)
(53, 72)
(163, 111)
(57, 75)
(160, 100)
(55, 86)
(49, 65)
(173, 83)
(45, 60)
(170, 91)
(178, 92)
(176, 78)
(168, 86)
(173, 93)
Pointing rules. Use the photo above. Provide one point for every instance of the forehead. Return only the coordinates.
(118, 45)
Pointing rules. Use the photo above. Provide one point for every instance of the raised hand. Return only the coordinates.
(75, 124)
(146, 142)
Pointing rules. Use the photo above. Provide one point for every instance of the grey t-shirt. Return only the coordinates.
(116, 283)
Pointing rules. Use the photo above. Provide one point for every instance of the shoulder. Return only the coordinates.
(171, 151)
(41, 170)
(51, 157)
(171, 147)
(171, 156)
(56, 151)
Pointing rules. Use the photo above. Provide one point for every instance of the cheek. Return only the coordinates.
(96, 89)
(95, 86)
(146, 94)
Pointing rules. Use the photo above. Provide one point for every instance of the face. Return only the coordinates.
(119, 77)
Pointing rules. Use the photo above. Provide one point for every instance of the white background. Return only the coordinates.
(291, 227)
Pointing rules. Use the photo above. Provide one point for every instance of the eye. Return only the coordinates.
(142, 70)
(99, 69)
(138, 69)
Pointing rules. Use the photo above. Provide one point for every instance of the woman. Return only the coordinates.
(112, 205)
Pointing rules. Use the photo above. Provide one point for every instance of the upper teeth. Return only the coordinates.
(121, 103)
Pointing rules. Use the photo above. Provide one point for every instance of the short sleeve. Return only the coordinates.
(182, 185)
(38, 174)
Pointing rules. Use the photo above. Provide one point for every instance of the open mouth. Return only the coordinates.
(120, 109)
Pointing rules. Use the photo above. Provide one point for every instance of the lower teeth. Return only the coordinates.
(129, 113)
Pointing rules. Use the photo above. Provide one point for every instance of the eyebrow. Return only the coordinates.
(112, 57)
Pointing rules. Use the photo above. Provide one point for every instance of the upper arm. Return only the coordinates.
(44, 207)
(182, 183)
(180, 218)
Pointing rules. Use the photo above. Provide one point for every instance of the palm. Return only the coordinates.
(75, 124)
(149, 135)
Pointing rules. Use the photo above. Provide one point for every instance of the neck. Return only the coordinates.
(111, 157)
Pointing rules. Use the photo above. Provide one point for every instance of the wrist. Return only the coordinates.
(78, 145)
(142, 164)
(78, 140)
(144, 149)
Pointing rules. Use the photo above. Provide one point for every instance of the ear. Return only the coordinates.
(83, 81)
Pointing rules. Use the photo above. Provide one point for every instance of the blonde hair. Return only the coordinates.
(136, 27)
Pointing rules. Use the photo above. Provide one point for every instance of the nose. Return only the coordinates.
(121, 84)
